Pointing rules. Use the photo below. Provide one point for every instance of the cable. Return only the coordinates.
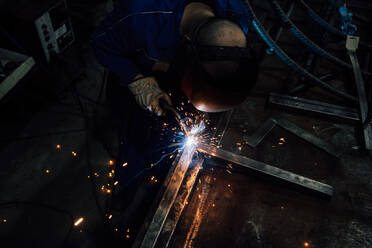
(46, 206)
(286, 59)
(305, 40)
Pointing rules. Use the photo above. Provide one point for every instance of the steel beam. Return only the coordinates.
(168, 199)
(266, 169)
(314, 107)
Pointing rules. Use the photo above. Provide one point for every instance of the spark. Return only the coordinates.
(47, 171)
(281, 141)
(79, 221)
(116, 183)
(74, 154)
(58, 147)
(111, 162)
(110, 217)
(282, 207)
(5, 220)
(127, 236)
(125, 164)
(153, 179)
(213, 205)
(306, 244)
(190, 141)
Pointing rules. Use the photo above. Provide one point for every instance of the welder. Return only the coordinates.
(153, 47)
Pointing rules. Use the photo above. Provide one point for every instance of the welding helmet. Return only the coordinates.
(216, 93)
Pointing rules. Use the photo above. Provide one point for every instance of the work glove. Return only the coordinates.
(148, 94)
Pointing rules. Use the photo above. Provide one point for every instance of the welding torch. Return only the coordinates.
(168, 109)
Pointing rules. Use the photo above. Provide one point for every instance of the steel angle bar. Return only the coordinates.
(290, 127)
(168, 199)
(352, 46)
(266, 169)
(290, 62)
(260, 133)
(314, 107)
(179, 205)
(304, 39)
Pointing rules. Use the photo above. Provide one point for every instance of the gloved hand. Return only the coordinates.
(147, 94)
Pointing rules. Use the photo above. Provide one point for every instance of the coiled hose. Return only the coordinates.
(286, 59)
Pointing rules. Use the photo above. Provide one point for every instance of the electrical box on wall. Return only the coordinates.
(54, 29)
(41, 27)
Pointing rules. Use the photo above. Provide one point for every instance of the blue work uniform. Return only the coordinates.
(129, 41)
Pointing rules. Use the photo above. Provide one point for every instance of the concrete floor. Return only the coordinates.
(234, 208)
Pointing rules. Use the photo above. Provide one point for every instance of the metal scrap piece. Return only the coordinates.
(266, 169)
(260, 134)
(289, 126)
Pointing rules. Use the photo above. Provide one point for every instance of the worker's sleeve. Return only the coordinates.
(238, 10)
(114, 53)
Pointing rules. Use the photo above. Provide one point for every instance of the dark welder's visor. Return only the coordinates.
(216, 91)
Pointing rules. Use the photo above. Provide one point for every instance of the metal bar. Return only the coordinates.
(312, 106)
(352, 46)
(179, 204)
(303, 87)
(168, 199)
(281, 28)
(222, 125)
(260, 134)
(289, 61)
(307, 136)
(266, 169)
(172, 198)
